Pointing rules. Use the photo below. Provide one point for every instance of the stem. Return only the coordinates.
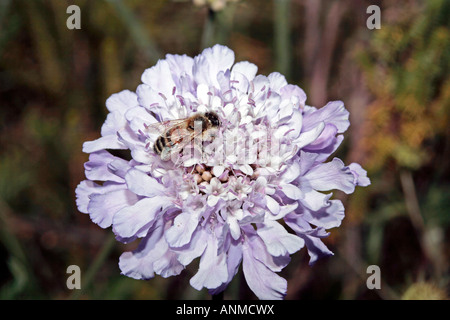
(412, 204)
(218, 26)
(282, 37)
(95, 266)
(137, 30)
(413, 208)
(208, 30)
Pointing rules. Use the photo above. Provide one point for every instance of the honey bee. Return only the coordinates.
(176, 134)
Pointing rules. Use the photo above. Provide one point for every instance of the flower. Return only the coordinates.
(228, 203)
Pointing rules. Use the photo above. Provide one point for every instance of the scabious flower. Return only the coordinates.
(230, 203)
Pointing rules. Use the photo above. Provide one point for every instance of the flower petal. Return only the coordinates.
(142, 184)
(246, 68)
(84, 189)
(333, 112)
(213, 270)
(272, 205)
(139, 263)
(312, 237)
(106, 142)
(331, 175)
(159, 78)
(264, 283)
(122, 101)
(184, 225)
(135, 220)
(277, 240)
(210, 62)
(360, 175)
(327, 217)
(194, 248)
(103, 207)
(97, 167)
(291, 191)
(307, 137)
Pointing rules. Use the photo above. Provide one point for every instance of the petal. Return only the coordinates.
(168, 265)
(180, 65)
(294, 93)
(113, 123)
(234, 258)
(272, 205)
(213, 270)
(86, 189)
(212, 200)
(135, 220)
(194, 248)
(184, 225)
(277, 240)
(312, 237)
(360, 175)
(260, 253)
(291, 191)
(235, 229)
(122, 101)
(333, 112)
(106, 142)
(103, 207)
(316, 249)
(210, 62)
(159, 78)
(314, 200)
(218, 170)
(138, 118)
(142, 184)
(264, 283)
(83, 191)
(292, 172)
(307, 137)
(139, 263)
(277, 81)
(331, 175)
(245, 68)
(327, 217)
(326, 139)
(97, 167)
(154, 101)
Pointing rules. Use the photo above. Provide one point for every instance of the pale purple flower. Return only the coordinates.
(227, 204)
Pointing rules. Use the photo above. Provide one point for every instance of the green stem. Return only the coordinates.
(282, 37)
(137, 30)
(208, 30)
(95, 266)
(217, 26)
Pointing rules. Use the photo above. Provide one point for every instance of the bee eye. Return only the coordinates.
(213, 119)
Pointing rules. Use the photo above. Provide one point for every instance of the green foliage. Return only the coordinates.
(408, 71)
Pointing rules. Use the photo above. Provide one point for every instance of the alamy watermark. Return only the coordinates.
(74, 20)
(374, 20)
(374, 280)
(74, 280)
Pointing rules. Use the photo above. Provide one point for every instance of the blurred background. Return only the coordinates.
(395, 81)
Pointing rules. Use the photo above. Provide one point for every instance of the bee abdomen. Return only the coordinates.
(159, 145)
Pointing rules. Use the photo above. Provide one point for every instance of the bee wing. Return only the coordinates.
(162, 127)
(179, 139)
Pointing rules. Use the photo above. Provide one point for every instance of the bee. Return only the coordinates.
(176, 134)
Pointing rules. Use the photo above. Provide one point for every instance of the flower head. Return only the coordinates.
(227, 198)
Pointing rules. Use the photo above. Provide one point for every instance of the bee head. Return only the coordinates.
(213, 118)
